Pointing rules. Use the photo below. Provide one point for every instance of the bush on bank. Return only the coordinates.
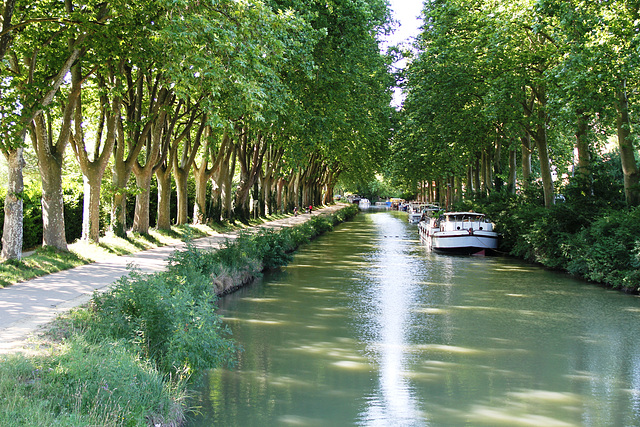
(591, 237)
(126, 357)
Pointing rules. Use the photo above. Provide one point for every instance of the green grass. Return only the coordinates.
(44, 261)
(81, 384)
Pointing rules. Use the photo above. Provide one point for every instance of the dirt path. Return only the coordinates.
(27, 306)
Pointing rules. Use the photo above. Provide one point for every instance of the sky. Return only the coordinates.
(407, 13)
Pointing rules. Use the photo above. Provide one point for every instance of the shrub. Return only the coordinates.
(608, 251)
(321, 224)
(168, 320)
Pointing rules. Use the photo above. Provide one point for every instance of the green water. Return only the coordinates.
(366, 327)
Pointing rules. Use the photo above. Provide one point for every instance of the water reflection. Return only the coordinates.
(389, 291)
(366, 327)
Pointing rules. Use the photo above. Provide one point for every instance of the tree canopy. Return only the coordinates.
(262, 101)
(541, 77)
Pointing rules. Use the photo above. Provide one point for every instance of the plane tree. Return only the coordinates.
(40, 43)
(347, 100)
(596, 75)
(444, 124)
(481, 81)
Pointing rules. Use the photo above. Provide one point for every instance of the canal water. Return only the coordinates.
(367, 328)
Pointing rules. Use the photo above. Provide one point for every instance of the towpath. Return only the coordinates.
(27, 306)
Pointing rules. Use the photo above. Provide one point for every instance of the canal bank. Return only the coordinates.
(366, 327)
(142, 338)
(27, 306)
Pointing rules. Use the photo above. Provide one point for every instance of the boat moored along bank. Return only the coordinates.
(467, 233)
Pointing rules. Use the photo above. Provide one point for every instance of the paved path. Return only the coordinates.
(27, 306)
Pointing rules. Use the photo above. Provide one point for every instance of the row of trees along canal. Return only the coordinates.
(493, 81)
(285, 95)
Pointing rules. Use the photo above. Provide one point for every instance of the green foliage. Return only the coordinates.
(321, 224)
(487, 72)
(169, 320)
(608, 251)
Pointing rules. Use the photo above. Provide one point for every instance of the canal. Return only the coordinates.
(367, 328)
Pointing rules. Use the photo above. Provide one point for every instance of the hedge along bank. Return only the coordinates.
(151, 333)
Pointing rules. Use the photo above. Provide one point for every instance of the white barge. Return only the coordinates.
(467, 233)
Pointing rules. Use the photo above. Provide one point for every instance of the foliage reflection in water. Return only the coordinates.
(366, 327)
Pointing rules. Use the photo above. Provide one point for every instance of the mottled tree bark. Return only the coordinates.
(50, 162)
(251, 152)
(141, 213)
(91, 205)
(94, 166)
(12, 231)
(526, 160)
(164, 200)
(181, 169)
(154, 155)
(540, 137)
(627, 151)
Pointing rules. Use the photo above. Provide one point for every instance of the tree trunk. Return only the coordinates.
(164, 200)
(469, 185)
(293, 198)
(201, 177)
(496, 180)
(280, 198)
(91, 205)
(93, 167)
(526, 160)
(50, 160)
(12, 231)
(141, 214)
(157, 149)
(182, 168)
(545, 164)
(241, 205)
(485, 173)
(627, 152)
(182, 177)
(226, 189)
(458, 188)
(53, 229)
(513, 169)
(120, 179)
(250, 157)
(584, 157)
(477, 171)
(260, 197)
